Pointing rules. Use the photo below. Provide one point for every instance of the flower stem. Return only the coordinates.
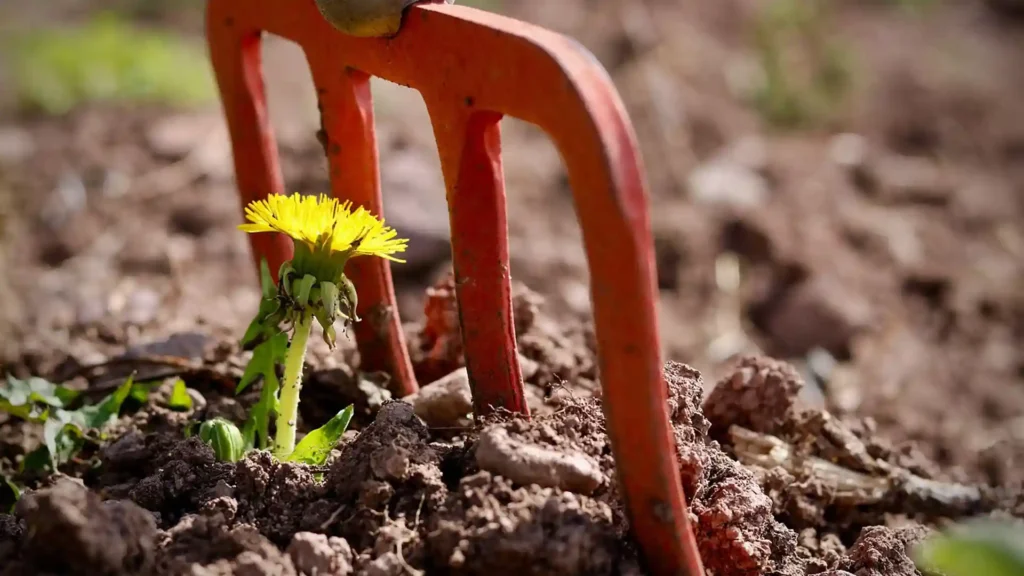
(287, 416)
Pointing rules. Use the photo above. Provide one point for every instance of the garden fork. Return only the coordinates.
(472, 68)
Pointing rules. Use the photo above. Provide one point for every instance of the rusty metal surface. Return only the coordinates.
(472, 67)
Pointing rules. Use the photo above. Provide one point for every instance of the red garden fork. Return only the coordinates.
(473, 67)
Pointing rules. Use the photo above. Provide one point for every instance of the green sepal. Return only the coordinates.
(284, 275)
(330, 335)
(302, 288)
(348, 300)
(329, 297)
(328, 312)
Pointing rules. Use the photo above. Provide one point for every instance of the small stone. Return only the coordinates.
(115, 184)
(180, 345)
(89, 310)
(985, 199)
(528, 367)
(912, 180)
(142, 306)
(16, 145)
(67, 199)
(147, 257)
(69, 240)
(445, 402)
(750, 152)
(727, 182)
(192, 222)
(202, 138)
(848, 151)
(576, 296)
(198, 400)
(525, 464)
(821, 312)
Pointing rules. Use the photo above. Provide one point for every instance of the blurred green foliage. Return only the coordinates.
(107, 59)
(807, 72)
(159, 11)
(914, 6)
(976, 548)
(490, 5)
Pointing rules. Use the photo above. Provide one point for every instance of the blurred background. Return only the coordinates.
(839, 183)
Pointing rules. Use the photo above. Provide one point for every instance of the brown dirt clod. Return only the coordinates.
(95, 537)
(883, 551)
(760, 394)
(317, 554)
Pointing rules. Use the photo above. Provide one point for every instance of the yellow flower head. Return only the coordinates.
(324, 224)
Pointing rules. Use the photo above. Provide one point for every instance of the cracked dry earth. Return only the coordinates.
(774, 487)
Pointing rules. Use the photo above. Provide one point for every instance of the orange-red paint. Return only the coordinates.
(473, 67)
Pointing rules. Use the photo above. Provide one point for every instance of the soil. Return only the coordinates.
(846, 298)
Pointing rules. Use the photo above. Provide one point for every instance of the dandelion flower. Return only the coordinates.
(324, 224)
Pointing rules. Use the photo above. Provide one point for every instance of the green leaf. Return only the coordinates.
(99, 415)
(10, 493)
(64, 431)
(264, 361)
(267, 281)
(62, 439)
(265, 324)
(36, 461)
(33, 398)
(314, 448)
(974, 549)
(256, 431)
(140, 391)
(180, 400)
